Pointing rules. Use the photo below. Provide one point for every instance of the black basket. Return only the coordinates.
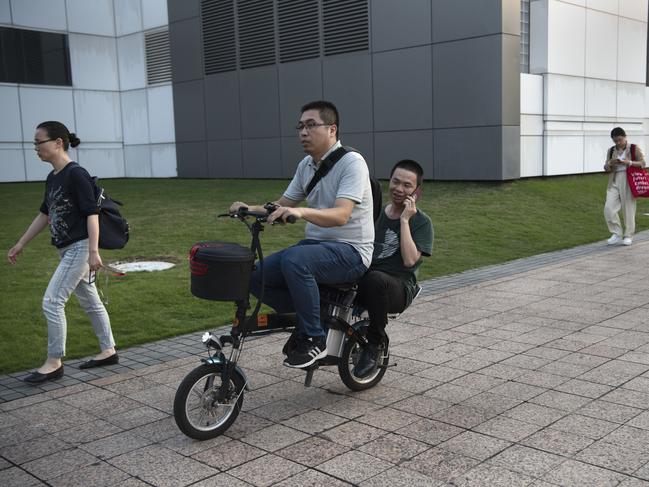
(220, 270)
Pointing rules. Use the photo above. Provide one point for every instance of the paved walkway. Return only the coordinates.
(534, 372)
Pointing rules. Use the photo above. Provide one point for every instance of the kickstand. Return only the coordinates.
(309, 375)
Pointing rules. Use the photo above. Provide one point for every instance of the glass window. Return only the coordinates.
(33, 57)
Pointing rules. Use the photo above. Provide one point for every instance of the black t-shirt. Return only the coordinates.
(69, 199)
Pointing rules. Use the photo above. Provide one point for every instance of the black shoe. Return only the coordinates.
(112, 360)
(292, 343)
(304, 356)
(37, 377)
(368, 361)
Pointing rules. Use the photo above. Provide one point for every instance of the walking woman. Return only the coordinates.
(618, 194)
(70, 210)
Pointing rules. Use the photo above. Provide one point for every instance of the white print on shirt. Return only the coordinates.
(389, 246)
(59, 209)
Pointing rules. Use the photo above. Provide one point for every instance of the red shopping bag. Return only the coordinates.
(638, 181)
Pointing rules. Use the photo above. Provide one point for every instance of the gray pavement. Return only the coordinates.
(534, 372)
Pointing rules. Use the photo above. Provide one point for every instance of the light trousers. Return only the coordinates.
(619, 198)
(71, 276)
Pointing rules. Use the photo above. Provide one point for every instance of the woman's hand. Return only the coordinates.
(94, 260)
(14, 252)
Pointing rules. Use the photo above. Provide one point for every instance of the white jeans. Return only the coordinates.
(71, 276)
(619, 197)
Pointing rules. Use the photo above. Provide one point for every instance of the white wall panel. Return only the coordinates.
(98, 116)
(154, 13)
(531, 124)
(635, 9)
(128, 16)
(35, 169)
(581, 3)
(566, 38)
(531, 94)
(564, 154)
(45, 14)
(630, 100)
(41, 104)
(163, 161)
(601, 98)
(132, 62)
(135, 120)
(563, 95)
(94, 17)
(601, 45)
(531, 156)
(137, 161)
(632, 51)
(595, 148)
(10, 128)
(610, 6)
(5, 12)
(104, 163)
(161, 114)
(646, 102)
(94, 62)
(12, 165)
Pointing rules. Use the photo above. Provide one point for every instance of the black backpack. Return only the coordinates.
(329, 162)
(113, 227)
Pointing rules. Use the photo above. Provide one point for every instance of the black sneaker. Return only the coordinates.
(303, 357)
(368, 361)
(293, 342)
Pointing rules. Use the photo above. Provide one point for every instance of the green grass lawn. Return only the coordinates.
(476, 224)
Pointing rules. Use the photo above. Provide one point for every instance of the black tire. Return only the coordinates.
(349, 358)
(193, 404)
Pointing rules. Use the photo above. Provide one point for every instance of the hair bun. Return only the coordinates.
(74, 140)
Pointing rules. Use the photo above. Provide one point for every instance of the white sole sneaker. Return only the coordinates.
(614, 240)
(314, 357)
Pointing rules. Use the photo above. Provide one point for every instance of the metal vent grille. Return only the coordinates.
(219, 47)
(256, 33)
(158, 57)
(299, 32)
(525, 36)
(345, 26)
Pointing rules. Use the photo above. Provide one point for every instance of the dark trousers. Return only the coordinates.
(380, 293)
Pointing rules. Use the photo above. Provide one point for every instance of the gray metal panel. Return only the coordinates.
(292, 154)
(459, 19)
(467, 88)
(511, 80)
(192, 159)
(299, 83)
(259, 102)
(391, 147)
(364, 142)
(468, 153)
(348, 84)
(186, 50)
(403, 95)
(262, 158)
(189, 116)
(182, 9)
(511, 15)
(511, 143)
(400, 24)
(224, 159)
(222, 110)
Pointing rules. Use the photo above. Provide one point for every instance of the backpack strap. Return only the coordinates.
(325, 166)
(633, 152)
(610, 153)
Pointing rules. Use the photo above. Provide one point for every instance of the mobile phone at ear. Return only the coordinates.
(416, 194)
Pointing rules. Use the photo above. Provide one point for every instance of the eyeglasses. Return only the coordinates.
(309, 126)
(39, 142)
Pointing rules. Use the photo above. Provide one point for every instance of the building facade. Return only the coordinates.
(473, 89)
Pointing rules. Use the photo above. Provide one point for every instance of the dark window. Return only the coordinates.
(39, 58)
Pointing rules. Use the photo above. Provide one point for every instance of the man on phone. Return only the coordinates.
(403, 234)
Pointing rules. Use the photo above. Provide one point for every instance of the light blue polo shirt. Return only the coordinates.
(349, 178)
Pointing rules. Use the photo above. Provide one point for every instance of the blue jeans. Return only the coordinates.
(292, 276)
(71, 276)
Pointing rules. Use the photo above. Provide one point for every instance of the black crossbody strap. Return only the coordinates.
(325, 166)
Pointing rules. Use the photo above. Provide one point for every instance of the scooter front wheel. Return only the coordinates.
(202, 409)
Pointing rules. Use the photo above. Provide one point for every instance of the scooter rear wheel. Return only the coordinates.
(198, 412)
(349, 358)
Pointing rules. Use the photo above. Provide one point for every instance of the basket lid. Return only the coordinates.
(221, 251)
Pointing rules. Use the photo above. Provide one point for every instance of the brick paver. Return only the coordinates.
(534, 372)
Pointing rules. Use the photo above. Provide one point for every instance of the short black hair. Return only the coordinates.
(617, 131)
(409, 165)
(327, 110)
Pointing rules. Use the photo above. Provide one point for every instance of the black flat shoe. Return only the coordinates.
(367, 362)
(112, 360)
(37, 377)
